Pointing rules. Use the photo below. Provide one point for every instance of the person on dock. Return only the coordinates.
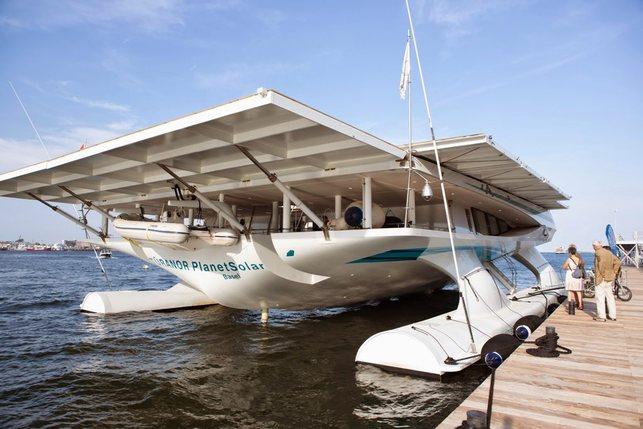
(606, 266)
(574, 269)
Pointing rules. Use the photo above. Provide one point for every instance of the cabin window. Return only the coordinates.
(503, 226)
(469, 220)
(492, 223)
(488, 224)
(480, 221)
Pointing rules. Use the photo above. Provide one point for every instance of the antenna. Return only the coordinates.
(83, 218)
(81, 214)
(24, 109)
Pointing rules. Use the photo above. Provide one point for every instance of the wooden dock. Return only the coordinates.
(599, 385)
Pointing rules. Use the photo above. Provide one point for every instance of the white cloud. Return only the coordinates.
(271, 18)
(535, 71)
(101, 104)
(145, 15)
(242, 74)
(122, 126)
(220, 4)
(74, 137)
(458, 17)
(20, 153)
(547, 59)
(119, 64)
(61, 88)
(6, 21)
(148, 16)
(221, 79)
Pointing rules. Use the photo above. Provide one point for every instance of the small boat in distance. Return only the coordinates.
(105, 254)
(559, 250)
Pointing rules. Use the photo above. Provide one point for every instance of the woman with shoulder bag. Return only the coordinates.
(574, 267)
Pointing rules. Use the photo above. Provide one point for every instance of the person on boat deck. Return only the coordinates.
(606, 266)
(574, 285)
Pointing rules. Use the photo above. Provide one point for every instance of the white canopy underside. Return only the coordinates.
(477, 156)
(318, 155)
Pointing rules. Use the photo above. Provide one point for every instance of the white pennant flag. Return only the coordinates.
(406, 71)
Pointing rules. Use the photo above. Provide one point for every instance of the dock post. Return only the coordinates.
(490, 400)
(475, 420)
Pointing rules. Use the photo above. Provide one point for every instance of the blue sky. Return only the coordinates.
(558, 83)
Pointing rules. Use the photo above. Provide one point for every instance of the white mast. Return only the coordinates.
(409, 162)
(461, 285)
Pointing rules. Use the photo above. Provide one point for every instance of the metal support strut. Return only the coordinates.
(205, 200)
(68, 216)
(87, 203)
(284, 190)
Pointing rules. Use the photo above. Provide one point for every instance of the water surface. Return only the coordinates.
(212, 367)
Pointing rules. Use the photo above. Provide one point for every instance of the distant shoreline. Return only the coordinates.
(44, 251)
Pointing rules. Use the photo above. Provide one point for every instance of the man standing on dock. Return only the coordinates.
(606, 266)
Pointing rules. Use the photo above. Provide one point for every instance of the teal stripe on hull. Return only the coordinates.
(392, 256)
(484, 253)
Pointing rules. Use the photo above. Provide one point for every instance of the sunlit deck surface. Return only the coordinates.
(599, 385)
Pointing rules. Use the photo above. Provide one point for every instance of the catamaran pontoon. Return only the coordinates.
(265, 202)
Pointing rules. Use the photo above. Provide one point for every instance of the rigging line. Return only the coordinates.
(545, 304)
(454, 341)
(542, 265)
(474, 327)
(546, 301)
(431, 335)
(463, 290)
(453, 158)
(437, 330)
(83, 218)
(502, 301)
(447, 335)
(490, 309)
(496, 284)
(24, 109)
(541, 291)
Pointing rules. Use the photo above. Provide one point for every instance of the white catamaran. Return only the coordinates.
(265, 202)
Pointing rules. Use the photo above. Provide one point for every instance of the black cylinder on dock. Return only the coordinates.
(504, 344)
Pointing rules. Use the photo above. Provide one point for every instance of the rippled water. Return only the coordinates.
(213, 367)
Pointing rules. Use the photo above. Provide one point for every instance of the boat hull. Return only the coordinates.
(303, 270)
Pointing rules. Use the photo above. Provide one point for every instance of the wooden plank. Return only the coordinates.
(599, 385)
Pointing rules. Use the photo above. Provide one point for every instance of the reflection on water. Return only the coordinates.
(214, 367)
(395, 399)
